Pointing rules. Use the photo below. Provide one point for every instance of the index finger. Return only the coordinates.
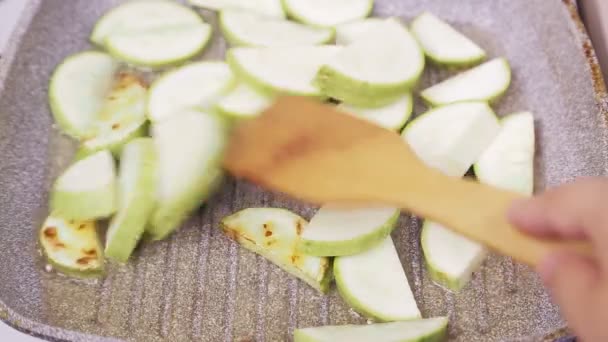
(573, 211)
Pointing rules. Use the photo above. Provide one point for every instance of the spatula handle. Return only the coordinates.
(479, 212)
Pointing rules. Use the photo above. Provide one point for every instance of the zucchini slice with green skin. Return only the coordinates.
(78, 89)
(189, 148)
(286, 70)
(273, 233)
(72, 247)
(250, 29)
(450, 258)
(508, 162)
(137, 183)
(349, 32)
(451, 138)
(374, 72)
(159, 47)
(485, 82)
(335, 231)
(87, 189)
(374, 284)
(327, 13)
(393, 116)
(269, 8)
(243, 102)
(122, 117)
(421, 330)
(196, 85)
(142, 16)
(113, 139)
(443, 44)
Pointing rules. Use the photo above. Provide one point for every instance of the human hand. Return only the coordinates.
(578, 284)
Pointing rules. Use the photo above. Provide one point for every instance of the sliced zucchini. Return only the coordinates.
(250, 29)
(122, 117)
(195, 85)
(443, 44)
(113, 139)
(421, 330)
(450, 258)
(353, 30)
(87, 189)
(335, 231)
(508, 162)
(137, 183)
(189, 147)
(374, 284)
(451, 138)
(78, 89)
(243, 102)
(142, 16)
(374, 72)
(126, 99)
(393, 116)
(326, 13)
(72, 247)
(289, 70)
(270, 8)
(159, 47)
(273, 233)
(486, 82)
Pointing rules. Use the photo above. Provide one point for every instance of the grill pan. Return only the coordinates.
(200, 286)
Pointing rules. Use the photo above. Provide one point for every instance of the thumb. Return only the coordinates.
(573, 281)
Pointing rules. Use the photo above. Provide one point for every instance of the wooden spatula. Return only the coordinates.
(313, 152)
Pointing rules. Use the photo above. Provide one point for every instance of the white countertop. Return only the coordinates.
(10, 11)
(9, 334)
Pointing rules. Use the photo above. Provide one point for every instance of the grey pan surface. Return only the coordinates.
(200, 286)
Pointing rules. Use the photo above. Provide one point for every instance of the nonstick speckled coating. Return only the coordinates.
(198, 285)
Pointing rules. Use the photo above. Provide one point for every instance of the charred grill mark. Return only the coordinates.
(235, 235)
(295, 259)
(267, 229)
(90, 252)
(50, 232)
(299, 226)
(84, 261)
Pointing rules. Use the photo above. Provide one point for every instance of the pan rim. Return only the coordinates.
(34, 329)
